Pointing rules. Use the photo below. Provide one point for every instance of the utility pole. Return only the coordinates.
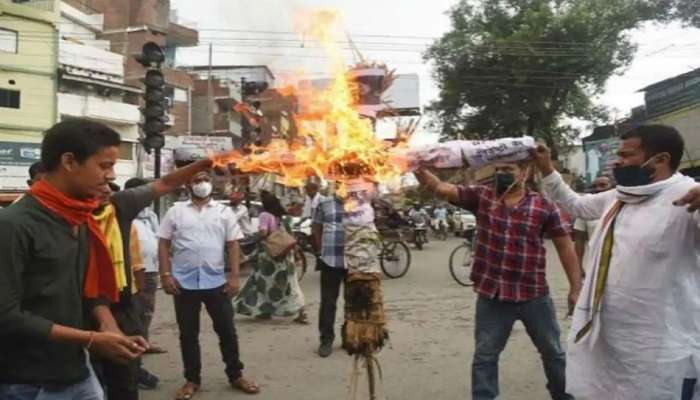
(244, 121)
(210, 101)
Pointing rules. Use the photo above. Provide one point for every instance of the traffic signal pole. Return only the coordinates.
(154, 109)
(156, 175)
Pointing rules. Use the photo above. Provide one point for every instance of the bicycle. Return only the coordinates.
(302, 251)
(461, 261)
(395, 256)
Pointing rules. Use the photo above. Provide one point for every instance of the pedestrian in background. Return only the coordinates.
(273, 288)
(328, 238)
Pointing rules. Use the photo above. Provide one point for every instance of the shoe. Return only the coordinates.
(147, 381)
(325, 350)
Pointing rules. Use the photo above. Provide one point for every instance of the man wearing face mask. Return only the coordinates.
(193, 238)
(635, 328)
(509, 271)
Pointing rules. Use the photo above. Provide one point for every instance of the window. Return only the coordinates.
(126, 151)
(9, 98)
(180, 95)
(8, 41)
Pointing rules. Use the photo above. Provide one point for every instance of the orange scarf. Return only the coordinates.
(99, 278)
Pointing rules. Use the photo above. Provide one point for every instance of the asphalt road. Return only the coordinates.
(431, 320)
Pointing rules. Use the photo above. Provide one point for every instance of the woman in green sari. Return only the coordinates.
(273, 288)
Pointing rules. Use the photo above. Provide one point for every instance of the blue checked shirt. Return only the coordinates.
(329, 213)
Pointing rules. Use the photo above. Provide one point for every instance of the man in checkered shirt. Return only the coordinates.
(328, 237)
(509, 271)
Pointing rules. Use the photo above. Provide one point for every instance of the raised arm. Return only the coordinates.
(431, 182)
(590, 206)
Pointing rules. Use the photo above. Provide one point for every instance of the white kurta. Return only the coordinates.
(648, 338)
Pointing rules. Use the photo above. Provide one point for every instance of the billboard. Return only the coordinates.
(600, 154)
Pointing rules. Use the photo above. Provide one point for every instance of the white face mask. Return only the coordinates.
(202, 190)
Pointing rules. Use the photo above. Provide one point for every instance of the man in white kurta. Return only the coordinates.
(645, 335)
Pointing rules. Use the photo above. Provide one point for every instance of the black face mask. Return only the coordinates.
(634, 175)
(503, 182)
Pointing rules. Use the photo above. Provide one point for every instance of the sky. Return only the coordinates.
(245, 32)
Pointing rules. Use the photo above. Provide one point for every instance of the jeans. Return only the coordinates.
(331, 280)
(187, 310)
(89, 389)
(494, 322)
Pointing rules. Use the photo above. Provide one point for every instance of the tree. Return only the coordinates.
(521, 67)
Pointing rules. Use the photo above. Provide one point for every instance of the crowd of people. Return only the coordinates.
(83, 260)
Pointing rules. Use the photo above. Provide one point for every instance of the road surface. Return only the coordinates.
(431, 326)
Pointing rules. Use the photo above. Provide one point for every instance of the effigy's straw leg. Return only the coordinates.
(371, 377)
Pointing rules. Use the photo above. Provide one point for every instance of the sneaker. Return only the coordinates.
(325, 349)
(147, 381)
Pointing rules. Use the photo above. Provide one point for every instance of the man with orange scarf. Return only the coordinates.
(54, 257)
(56, 262)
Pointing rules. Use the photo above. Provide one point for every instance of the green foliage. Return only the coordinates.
(522, 67)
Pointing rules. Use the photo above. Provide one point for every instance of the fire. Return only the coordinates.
(334, 141)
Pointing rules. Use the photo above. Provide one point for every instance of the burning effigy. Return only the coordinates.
(337, 143)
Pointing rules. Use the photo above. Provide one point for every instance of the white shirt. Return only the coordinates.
(648, 336)
(198, 241)
(146, 224)
(243, 218)
(310, 205)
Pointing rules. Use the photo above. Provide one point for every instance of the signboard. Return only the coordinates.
(600, 155)
(19, 154)
(183, 147)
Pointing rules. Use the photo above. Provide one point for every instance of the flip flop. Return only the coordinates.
(245, 386)
(187, 391)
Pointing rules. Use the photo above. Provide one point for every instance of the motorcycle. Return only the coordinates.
(420, 233)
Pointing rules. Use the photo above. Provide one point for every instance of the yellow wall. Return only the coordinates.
(687, 121)
(32, 68)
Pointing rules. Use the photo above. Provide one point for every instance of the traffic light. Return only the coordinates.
(154, 109)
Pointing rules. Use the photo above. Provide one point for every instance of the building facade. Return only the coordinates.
(676, 102)
(91, 83)
(28, 81)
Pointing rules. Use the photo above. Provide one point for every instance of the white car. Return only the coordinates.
(463, 221)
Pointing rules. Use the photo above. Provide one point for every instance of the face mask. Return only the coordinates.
(634, 175)
(202, 190)
(503, 182)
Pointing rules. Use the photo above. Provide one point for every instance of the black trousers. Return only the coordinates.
(331, 280)
(121, 380)
(219, 306)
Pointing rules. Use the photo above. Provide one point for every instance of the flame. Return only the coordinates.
(334, 141)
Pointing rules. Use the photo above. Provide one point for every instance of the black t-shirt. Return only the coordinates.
(42, 269)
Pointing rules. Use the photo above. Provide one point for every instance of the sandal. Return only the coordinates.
(302, 319)
(245, 386)
(187, 391)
